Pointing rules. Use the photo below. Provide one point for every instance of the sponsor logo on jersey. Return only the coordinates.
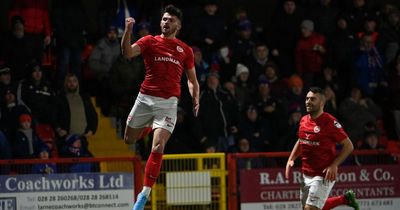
(179, 48)
(166, 59)
(337, 124)
(317, 129)
(311, 143)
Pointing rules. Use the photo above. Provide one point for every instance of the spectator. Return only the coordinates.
(394, 88)
(5, 153)
(390, 36)
(243, 42)
(331, 104)
(259, 61)
(330, 78)
(75, 112)
(277, 86)
(224, 64)
(324, 16)
(70, 27)
(18, 50)
(283, 35)
(356, 15)
(103, 56)
(37, 28)
(244, 146)
(355, 111)
(270, 109)
(202, 67)
(209, 32)
(289, 136)
(5, 79)
(44, 168)
(310, 51)
(11, 109)
(256, 130)
(295, 96)
(114, 13)
(244, 87)
(341, 51)
(74, 149)
(27, 143)
(368, 68)
(38, 95)
(370, 28)
(371, 142)
(218, 115)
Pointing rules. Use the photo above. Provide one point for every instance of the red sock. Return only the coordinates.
(332, 202)
(152, 170)
(145, 132)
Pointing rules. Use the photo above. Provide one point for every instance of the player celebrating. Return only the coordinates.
(318, 134)
(165, 58)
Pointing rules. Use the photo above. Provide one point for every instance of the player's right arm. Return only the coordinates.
(293, 155)
(128, 50)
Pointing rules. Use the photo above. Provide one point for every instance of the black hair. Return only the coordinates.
(175, 11)
(317, 90)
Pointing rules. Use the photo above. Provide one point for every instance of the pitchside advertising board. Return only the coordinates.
(67, 191)
(377, 188)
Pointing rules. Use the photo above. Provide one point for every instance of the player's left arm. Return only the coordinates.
(194, 89)
(331, 170)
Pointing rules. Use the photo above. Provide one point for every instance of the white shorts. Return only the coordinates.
(152, 111)
(315, 190)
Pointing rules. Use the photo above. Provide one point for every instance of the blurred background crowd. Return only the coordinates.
(255, 61)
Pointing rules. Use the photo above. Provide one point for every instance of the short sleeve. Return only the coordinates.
(144, 43)
(189, 61)
(338, 132)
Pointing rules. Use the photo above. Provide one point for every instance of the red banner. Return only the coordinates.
(270, 185)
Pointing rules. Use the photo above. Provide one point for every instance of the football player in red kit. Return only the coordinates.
(165, 58)
(318, 134)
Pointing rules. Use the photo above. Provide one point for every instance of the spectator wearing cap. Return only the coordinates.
(11, 109)
(283, 34)
(245, 89)
(209, 33)
(73, 148)
(17, 49)
(5, 79)
(102, 58)
(75, 113)
(38, 95)
(27, 143)
(218, 115)
(243, 42)
(309, 53)
(69, 24)
(296, 94)
(44, 153)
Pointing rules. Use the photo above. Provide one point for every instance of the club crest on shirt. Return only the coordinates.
(179, 48)
(337, 124)
(317, 129)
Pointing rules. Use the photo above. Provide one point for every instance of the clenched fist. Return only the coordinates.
(129, 22)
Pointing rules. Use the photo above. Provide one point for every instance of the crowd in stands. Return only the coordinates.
(253, 75)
